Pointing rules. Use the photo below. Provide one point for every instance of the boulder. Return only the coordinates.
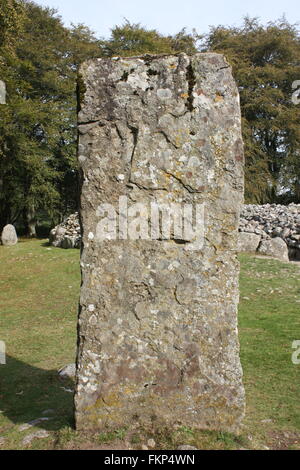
(275, 247)
(248, 242)
(9, 236)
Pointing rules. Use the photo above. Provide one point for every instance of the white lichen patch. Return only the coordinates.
(164, 93)
(138, 80)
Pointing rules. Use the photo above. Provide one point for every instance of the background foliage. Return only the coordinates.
(39, 58)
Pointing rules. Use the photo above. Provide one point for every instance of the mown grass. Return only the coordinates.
(39, 289)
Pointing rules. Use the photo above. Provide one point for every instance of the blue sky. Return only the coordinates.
(170, 16)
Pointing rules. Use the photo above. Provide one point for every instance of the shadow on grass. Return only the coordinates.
(28, 393)
(46, 243)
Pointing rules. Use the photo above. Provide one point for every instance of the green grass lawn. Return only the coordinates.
(39, 289)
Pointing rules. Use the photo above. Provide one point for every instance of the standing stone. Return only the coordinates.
(158, 338)
(9, 235)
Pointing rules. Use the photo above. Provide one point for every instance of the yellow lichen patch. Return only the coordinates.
(102, 402)
(219, 98)
(184, 95)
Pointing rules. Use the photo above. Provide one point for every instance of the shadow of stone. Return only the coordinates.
(47, 244)
(28, 393)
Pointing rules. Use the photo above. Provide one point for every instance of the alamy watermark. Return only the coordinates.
(181, 222)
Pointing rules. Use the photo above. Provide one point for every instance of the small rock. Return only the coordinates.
(186, 447)
(151, 443)
(32, 423)
(2, 441)
(24, 427)
(144, 447)
(36, 435)
(69, 390)
(67, 372)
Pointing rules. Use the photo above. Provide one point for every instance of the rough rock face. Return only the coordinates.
(9, 235)
(158, 314)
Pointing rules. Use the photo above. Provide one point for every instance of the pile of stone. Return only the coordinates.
(67, 234)
(269, 229)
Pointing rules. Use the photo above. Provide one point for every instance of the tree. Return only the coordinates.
(11, 20)
(38, 169)
(132, 39)
(266, 61)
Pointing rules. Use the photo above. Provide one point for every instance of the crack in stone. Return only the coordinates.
(191, 79)
(175, 295)
(167, 139)
(225, 67)
(186, 186)
(119, 133)
(96, 121)
(135, 133)
(140, 186)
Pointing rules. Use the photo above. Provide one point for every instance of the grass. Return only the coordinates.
(39, 289)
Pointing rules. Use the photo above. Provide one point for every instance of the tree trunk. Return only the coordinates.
(30, 221)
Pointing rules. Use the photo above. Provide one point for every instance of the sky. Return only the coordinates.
(170, 16)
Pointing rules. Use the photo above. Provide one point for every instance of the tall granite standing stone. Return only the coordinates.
(157, 335)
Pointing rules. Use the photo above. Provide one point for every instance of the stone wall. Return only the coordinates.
(271, 229)
(157, 330)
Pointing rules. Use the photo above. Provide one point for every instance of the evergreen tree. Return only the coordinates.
(132, 39)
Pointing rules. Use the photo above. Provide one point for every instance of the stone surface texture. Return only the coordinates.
(9, 235)
(158, 338)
